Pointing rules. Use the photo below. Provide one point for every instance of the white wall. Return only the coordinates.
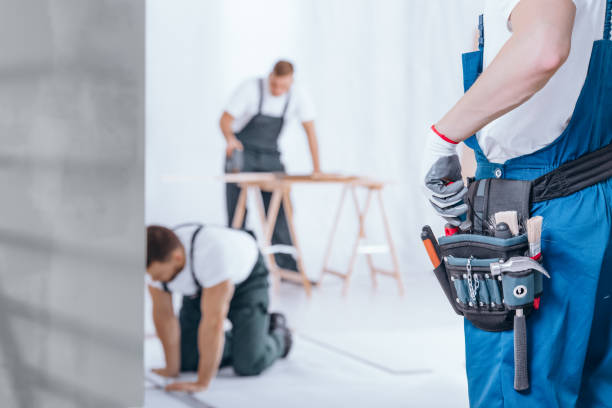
(379, 73)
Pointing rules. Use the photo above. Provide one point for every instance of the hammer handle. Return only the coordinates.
(521, 370)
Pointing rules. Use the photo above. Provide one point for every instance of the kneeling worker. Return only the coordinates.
(220, 273)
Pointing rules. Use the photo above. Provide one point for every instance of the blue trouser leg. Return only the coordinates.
(575, 243)
(596, 388)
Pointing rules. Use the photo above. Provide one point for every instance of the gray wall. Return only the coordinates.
(71, 203)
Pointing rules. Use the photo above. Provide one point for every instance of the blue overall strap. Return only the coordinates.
(481, 33)
(473, 61)
(261, 92)
(472, 68)
(191, 250)
(608, 22)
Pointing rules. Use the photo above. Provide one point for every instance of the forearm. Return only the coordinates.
(168, 331)
(313, 145)
(540, 47)
(211, 338)
(225, 123)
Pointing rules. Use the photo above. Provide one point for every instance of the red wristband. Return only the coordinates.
(446, 139)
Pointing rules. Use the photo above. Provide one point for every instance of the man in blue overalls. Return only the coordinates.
(252, 122)
(543, 100)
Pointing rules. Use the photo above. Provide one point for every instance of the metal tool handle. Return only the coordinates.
(521, 370)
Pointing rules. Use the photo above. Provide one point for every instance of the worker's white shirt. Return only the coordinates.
(539, 121)
(244, 103)
(220, 254)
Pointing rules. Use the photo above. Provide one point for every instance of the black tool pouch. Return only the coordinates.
(465, 275)
(485, 299)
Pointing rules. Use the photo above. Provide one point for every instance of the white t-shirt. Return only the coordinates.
(220, 254)
(539, 121)
(244, 103)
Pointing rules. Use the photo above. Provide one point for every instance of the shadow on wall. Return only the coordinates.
(26, 378)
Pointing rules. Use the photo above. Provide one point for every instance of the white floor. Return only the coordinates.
(370, 348)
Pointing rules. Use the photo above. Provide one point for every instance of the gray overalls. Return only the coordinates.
(249, 347)
(260, 140)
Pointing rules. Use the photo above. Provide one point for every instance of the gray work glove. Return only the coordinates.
(441, 174)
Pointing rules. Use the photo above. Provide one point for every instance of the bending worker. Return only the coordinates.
(252, 122)
(543, 100)
(219, 273)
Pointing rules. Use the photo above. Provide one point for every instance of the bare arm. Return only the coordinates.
(215, 301)
(168, 331)
(538, 47)
(225, 123)
(211, 337)
(313, 144)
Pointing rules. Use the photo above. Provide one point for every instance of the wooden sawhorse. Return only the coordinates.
(280, 185)
(280, 188)
(373, 190)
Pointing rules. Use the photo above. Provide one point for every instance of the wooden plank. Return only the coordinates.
(385, 272)
(266, 244)
(240, 210)
(250, 177)
(394, 257)
(272, 178)
(290, 275)
(288, 207)
(332, 234)
(361, 215)
(333, 272)
(372, 270)
(273, 208)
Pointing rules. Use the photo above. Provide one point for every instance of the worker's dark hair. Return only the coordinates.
(161, 241)
(282, 68)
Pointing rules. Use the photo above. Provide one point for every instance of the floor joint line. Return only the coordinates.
(361, 360)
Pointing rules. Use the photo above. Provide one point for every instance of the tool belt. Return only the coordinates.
(490, 280)
(488, 305)
(491, 298)
(467, 275)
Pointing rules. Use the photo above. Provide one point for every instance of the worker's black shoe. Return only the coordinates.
(285, 333)
(286, 261)
(277, 320)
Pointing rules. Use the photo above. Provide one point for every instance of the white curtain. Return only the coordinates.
(379, 72)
